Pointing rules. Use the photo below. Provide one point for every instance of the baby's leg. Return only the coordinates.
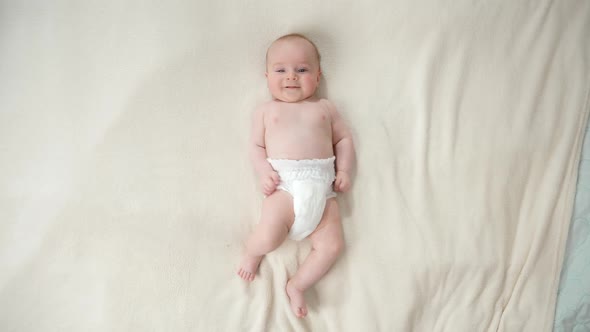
(327, 244)
(276, 219)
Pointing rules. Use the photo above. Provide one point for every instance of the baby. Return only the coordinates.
(302, 152)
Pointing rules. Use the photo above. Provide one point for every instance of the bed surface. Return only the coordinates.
(573, 301)
(126, 192)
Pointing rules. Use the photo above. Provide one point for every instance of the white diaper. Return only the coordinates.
(310, 183)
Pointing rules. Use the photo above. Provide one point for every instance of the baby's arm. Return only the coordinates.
(343, 149)
(269, 179)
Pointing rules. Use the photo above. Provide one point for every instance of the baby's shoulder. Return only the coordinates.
(267, 106)
(326, 104)
(262, 109)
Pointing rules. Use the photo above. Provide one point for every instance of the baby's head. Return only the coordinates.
(293, 68)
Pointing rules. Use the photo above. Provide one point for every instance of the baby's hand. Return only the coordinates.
(342, 182)
(269, 182)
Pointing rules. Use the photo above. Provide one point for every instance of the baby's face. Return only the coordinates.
(292, 70)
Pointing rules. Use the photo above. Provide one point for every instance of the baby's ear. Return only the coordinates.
(266, 74)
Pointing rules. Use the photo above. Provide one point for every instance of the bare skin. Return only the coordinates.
(296, 125)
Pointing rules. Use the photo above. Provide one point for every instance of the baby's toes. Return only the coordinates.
(302, 313)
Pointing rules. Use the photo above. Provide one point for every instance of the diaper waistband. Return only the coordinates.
(318, 169)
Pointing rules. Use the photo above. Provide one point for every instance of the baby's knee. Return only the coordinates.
(269, 243)
(334, 247)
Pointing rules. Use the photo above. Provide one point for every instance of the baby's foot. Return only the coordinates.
(297, 301)
(248, 267)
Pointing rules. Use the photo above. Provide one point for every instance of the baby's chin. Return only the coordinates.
(291, 99)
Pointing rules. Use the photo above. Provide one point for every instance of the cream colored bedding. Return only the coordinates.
(126, 192)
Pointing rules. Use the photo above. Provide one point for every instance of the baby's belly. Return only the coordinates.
(298, 148)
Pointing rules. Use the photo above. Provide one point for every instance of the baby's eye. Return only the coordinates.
(302, 70)
(280, 71)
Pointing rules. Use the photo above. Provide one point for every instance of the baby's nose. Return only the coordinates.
(292, 76)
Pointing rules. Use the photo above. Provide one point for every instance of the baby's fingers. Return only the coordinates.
(345, 186)
(275, 178)
(337, 184)
(269, 187)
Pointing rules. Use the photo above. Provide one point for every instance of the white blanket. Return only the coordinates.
(126, 191)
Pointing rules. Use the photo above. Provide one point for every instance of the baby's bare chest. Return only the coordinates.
(297, 118)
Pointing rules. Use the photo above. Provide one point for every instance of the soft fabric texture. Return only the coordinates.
(309, 182)
(572, 312)
(126, 191)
